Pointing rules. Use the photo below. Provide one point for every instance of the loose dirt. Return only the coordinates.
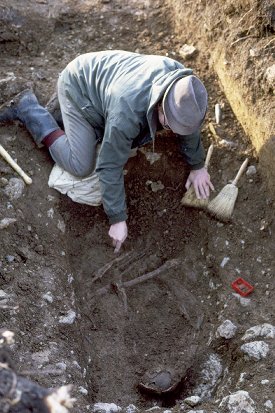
(53, 257)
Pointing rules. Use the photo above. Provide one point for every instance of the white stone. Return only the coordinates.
(14, 189)
(264, 381)
(151, 157)
(211, 372)
(187, 51)
(61, 365)
(224, 262)
(268, 404)
(245, 302)
(106, 408)
(3, 295)
(61, 225)
(226, 330)
(69, 318)
(82, 390)
(239, 402)
(50, 213)
(5, 222)
(192, 400)
(270, 74)
(131, 408)
(256, 350)
(251, 170)
(263, 330)
(48, 297)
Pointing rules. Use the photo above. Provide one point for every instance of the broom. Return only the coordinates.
(190, 198)
(223, 204)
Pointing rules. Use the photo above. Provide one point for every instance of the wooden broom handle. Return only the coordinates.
(208, 156)
(14, 165)
(240, 172)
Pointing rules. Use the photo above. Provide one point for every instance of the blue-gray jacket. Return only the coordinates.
(117, 92)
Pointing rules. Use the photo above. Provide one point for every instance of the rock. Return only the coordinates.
(187, 51)
(50, 213)
(5, 222)
(224, 262)
(239, 402)
(251, 170)
(226, 330)
(48, 297)
(3, 182)
(61, 366)
(270, 75)
(61, 226)
(82, 390)
(14, 189)
(106, 408)
(192, 400)
(211, 372)
(256, 350)
(69, 318)
(155, 186)
(151, 157)
(243, 300)
(268, 404)
(10, 258)
(131, 409)
(263, 330)
(3, 295)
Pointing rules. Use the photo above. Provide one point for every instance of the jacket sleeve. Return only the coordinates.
(192, 150)
(113, 155)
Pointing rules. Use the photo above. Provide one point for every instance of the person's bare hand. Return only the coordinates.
(200, 179)
(118, 232)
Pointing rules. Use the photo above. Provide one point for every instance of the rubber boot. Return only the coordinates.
(26, 108)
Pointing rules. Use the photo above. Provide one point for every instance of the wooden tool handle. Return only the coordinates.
(208, 156)
(14, 165)
(240, 172)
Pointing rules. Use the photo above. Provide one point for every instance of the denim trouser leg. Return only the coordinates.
(76, 150)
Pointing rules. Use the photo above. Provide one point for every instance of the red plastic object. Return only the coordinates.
(242, 287)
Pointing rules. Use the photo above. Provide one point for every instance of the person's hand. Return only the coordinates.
(200, 179)
(118, 232)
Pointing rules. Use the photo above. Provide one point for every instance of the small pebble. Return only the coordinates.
(251, 170)
(10, 258)
(192, 400)
(69, 318)
(268, 404)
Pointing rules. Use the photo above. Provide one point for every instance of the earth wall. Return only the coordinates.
(239, 37)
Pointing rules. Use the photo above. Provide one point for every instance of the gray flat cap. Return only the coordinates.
(185, 104)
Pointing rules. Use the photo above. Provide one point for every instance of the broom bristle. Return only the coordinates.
(222, 205)
(190, 199)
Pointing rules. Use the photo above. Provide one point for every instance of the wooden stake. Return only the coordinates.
(14, 165)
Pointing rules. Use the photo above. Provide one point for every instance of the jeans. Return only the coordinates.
(75, 151)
